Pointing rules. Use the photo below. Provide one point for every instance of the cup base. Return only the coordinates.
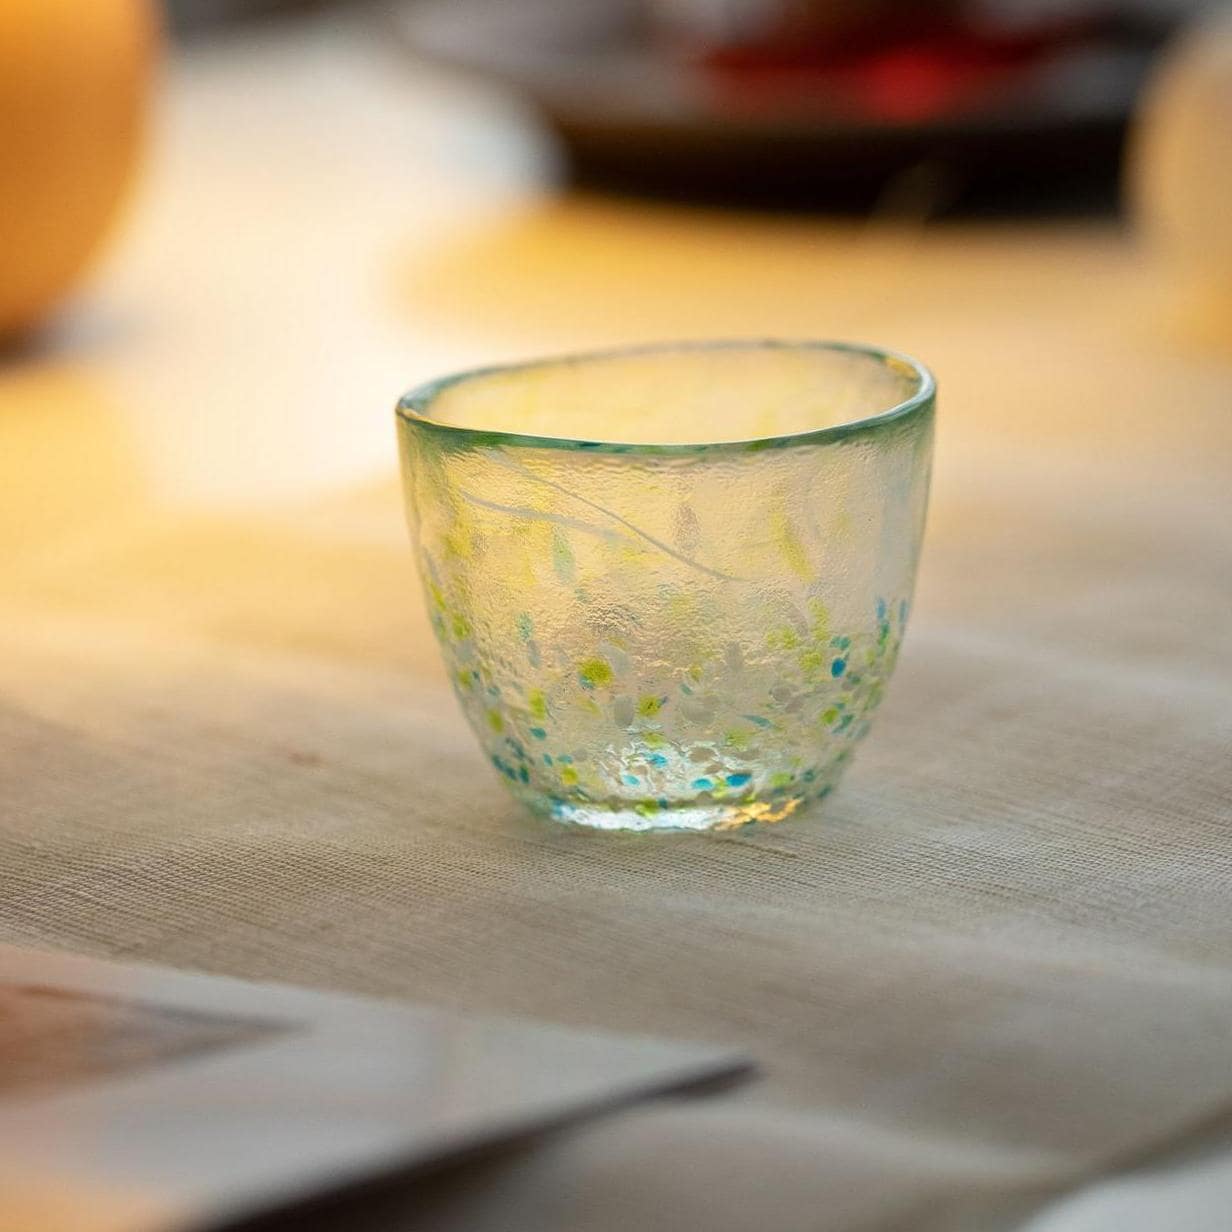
(681, 818)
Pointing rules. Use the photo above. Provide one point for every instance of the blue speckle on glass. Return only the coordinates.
(702, 784)
(838, 667)
(756, 720)
(538, 733)
(657, 759)
(630, 780)
(881, 609)
(738, 780)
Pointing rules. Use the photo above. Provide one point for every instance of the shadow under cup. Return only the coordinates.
(670, 584)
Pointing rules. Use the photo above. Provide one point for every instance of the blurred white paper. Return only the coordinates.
(135, 1099)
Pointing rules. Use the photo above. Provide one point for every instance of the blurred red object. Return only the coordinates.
(920, 66)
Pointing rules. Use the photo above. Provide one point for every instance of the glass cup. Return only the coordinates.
(670, 583)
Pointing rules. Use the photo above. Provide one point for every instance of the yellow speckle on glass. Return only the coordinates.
(653, 739)
(736, 739)
(814, 660)
(695, 673)
(821, 620)
(438, 596)
(458, 542)
(538, 704)
(568, 776)
(649, 706)
(791, 547)
(682, 605)
(495, 722)
(594, 673)
(782, 638)
(461, 626)
(463, 678)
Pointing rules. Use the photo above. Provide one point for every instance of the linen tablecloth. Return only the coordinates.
(997, 962)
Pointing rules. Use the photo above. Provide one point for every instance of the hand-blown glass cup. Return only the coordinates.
(670, 584)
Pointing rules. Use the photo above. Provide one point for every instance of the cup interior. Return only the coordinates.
(679, 395)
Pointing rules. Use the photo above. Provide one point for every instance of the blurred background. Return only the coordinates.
(234, 230)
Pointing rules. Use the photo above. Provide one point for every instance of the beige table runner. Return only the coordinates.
(1001, 953)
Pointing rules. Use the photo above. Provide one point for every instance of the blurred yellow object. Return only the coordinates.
(74, 80)
(1181, 163)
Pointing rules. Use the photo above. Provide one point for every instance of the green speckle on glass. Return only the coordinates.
(830, 715)
(756, 720)
(438, 596)
(461, 626)
(647, 808)
(562, 556)
(782, 779)
(649, 706)
(495, 722)
(526, 627)
(594, 673)
(538, 733)
(466, 680)
(736, 739)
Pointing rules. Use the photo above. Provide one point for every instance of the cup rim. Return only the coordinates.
(414, 407)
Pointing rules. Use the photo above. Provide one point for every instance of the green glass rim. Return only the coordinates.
(414, 407)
